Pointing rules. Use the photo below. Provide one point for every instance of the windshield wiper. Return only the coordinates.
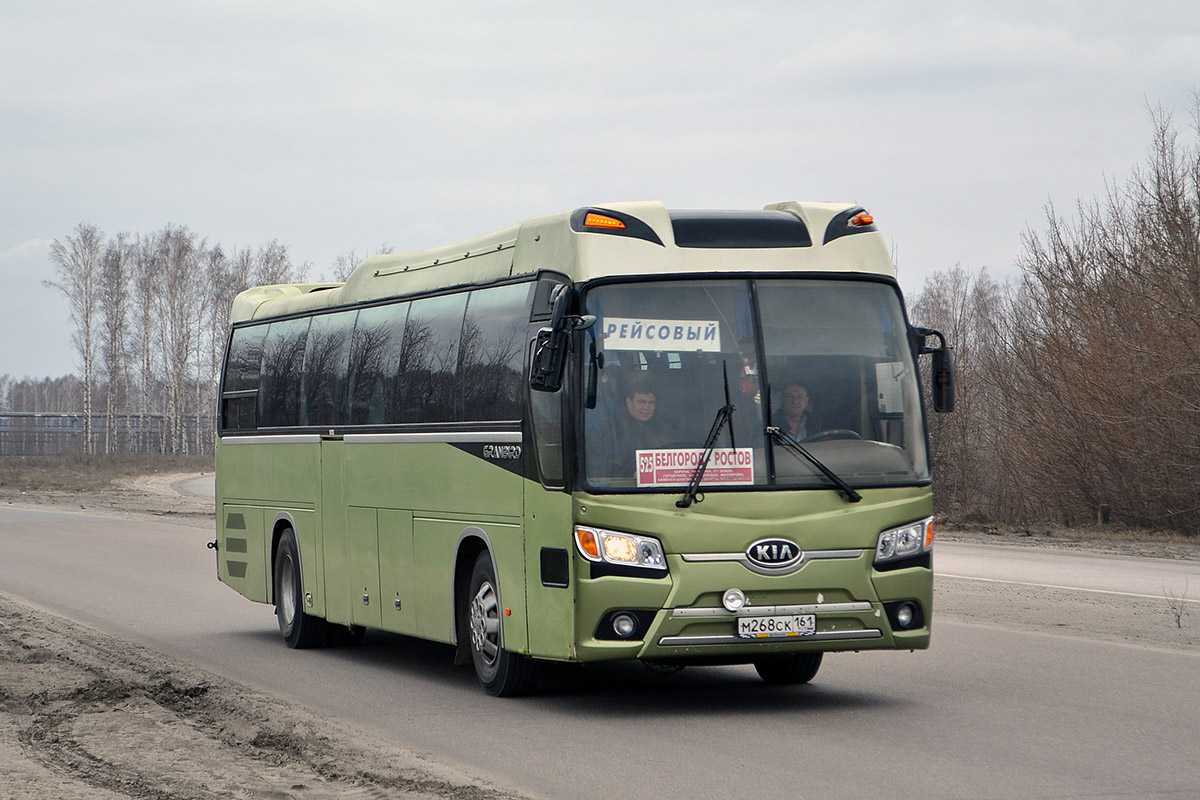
(724, 416)
(792, 446)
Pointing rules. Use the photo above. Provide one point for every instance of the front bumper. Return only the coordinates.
(844, 593)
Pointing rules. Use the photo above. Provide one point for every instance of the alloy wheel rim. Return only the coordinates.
(287, 588)
(485, 624)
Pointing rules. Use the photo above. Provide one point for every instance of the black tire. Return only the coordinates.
(299, 630)
(501, 673)
(789, 670)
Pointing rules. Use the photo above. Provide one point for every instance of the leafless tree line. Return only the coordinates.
(46, 395)
(1079, 381)
(149, 316)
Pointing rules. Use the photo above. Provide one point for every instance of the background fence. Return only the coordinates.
(41, 434)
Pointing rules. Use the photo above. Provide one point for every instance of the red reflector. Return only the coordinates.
(593, 220)
(862, 219)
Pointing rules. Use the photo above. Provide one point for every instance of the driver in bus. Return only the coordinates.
(793, 417)
(631, 429)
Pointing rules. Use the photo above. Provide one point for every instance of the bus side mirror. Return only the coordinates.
(942, 368)
(550, 348)
(549, 355)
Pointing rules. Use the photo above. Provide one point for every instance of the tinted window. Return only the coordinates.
(241, 375)
(489, 377)
(430, 347)
(245, 358)
(377, 365)
(326, 358)
(283, 360)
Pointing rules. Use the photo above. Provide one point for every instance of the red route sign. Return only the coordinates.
(726, 467)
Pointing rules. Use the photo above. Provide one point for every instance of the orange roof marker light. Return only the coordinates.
(594, 220)
(862, 219)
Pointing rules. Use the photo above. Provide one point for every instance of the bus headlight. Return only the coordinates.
(904, 542)
(626, 549)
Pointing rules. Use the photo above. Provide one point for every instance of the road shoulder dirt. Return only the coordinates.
(85, 715)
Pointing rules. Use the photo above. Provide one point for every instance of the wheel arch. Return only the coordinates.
(283, 521)
(471, 542)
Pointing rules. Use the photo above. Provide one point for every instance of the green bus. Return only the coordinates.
(619, 432)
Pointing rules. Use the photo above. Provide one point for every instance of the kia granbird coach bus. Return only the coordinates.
(622, 432)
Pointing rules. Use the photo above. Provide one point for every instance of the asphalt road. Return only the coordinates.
(988, 712)
(1086, 572)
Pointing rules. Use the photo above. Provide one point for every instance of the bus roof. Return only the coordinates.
(610, 239)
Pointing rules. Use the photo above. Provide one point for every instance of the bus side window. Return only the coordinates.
(376, 362)
(240, 388)
(430, 360)
(279, 384)
(323, 384)
(489, 371)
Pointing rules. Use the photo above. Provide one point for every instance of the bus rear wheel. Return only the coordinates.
(789, 670)
(501, 672)
(299, 630)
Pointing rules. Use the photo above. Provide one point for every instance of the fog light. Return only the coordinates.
(624, 625)
(905, 615)
(733, 599)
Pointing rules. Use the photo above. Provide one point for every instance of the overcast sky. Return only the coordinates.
(341, 125)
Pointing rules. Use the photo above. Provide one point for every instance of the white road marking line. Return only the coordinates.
(1067, 588)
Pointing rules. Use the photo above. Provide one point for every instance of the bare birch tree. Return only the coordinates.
(77, 263)
(114, 324)
(144, 289)
(179, 259)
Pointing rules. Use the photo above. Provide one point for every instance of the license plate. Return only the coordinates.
(777, 627)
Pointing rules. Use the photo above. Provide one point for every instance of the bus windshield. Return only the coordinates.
(826, 363)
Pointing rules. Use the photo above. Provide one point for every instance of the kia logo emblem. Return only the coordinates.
(774, 553)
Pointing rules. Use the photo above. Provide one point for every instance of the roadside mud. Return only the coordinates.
(85, 715)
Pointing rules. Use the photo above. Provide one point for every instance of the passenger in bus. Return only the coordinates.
(613, 444)
(794, 417)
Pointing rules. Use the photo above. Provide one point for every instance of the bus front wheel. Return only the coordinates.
(299, 629)
(793, 669)
(501, 672)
